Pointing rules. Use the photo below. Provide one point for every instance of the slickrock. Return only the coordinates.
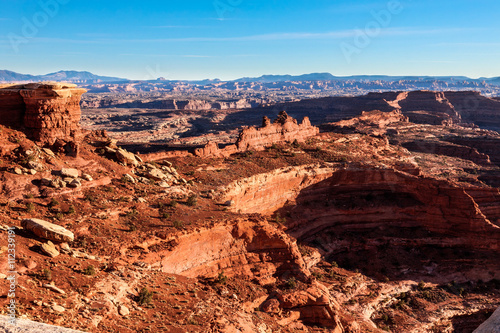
(48, 230)
(492, 325)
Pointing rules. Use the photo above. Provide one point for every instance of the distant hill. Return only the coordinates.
(330, 77)
(66, 76)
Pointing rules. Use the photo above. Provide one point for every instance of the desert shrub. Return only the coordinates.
(46, 274)
(145, 296)
(192, 200)
(53, 203)
(291, 283)
(132, 214)
(30, 207)
(178, 224)
(221, 278)
(90, 270)
(71, 209)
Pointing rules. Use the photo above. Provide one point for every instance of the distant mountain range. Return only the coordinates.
(66, 76)
(89, 78)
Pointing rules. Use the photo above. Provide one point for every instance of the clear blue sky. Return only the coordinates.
(227, 39)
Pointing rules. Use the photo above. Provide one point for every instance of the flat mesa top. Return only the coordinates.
(39, 85)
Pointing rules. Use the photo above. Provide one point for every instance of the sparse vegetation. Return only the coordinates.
(47, 274)
(53, 203)
(71, 210)
(30, 207)
(145, 296)
(291, 283)
(221, 278)
(132, 214)
(178, 224)
(192, 201)
(90, 270)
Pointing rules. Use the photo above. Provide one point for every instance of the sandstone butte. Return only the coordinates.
(49, 113)
(283, 129)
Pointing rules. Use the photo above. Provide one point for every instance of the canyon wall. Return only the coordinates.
(364, 199)
(283, 129)
(266, 193)
(426, 107)
(49, 113)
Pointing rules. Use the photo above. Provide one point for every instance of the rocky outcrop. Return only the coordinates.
(265, 193)
(283, 129)
(248, 249)
(492, 325)
(448, 149)
(366, 198)
(369, 122)
(422, 106)
(49, 113)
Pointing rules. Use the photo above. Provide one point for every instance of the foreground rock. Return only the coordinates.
(492, 325)
(48, 230)
(28, 326)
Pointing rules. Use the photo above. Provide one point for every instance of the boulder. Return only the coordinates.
(155, 174)
(47, 230)
(123, 311)
(75, 183)
(126, 157)
(71, 173)
(49, 249)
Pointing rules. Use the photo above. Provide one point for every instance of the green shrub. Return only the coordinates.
(145, 296)
(90, 270)
(192, 200)
(291, 283)
(30, 207)
(221, 278)
(53, 203)
(178, 224)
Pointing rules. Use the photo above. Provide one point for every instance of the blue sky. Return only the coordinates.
(228, 39)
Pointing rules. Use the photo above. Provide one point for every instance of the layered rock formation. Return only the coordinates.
(283, 129)
(424, 107)
(49, 113)
(250, 249)
(265, 193)
(365, 198)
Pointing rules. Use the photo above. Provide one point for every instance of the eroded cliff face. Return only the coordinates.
(251, 249)
(49, 113)
(283, 129)
(266, 193)
(364, 199)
